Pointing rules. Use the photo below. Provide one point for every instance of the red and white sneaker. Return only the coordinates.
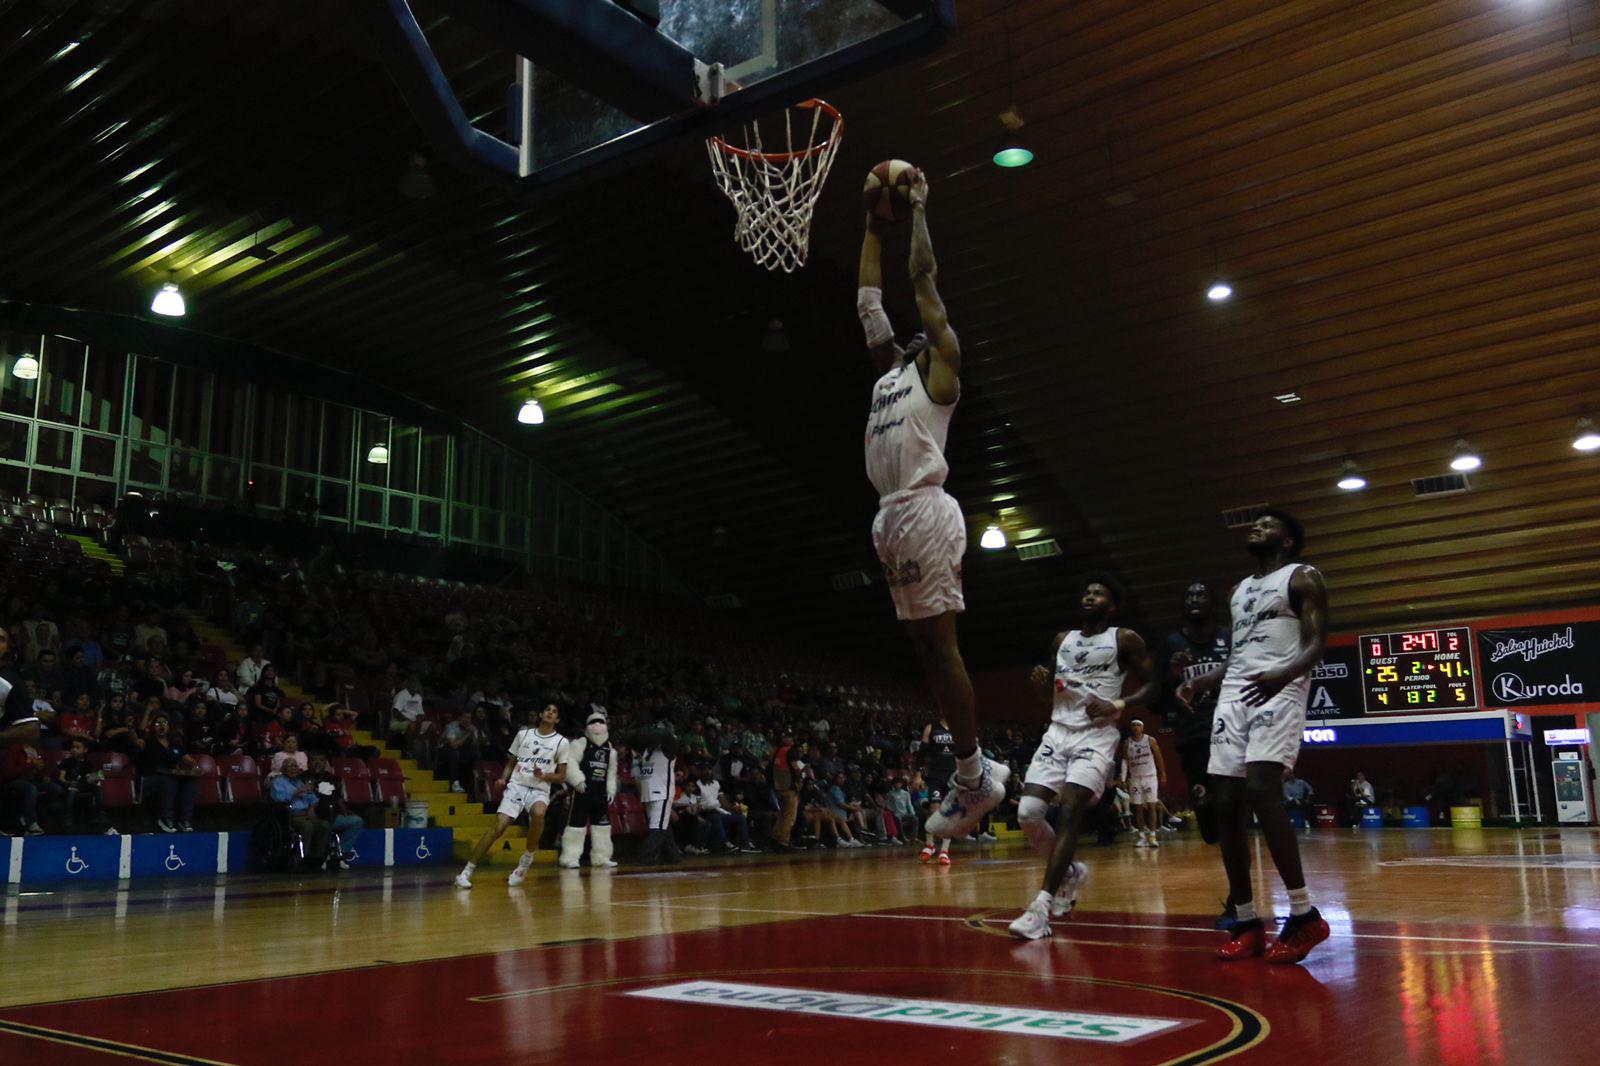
(927, 853)
(1299, 935)
(944, 858)
(1249, 939)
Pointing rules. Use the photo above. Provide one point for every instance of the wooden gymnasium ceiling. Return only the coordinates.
(1405, 196)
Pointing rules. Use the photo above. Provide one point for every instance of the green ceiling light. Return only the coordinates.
(1013, 155)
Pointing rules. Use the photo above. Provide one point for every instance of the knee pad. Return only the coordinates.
(1036, 828)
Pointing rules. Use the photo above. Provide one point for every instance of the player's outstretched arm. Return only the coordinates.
(944, 351)
(869, 300)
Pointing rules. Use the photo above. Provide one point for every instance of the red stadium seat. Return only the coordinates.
(386, 769)
(243, 778)
(487, 787)
(391, 790)
(357, 780)
(209, 786)
(627, 815)
(117, 781)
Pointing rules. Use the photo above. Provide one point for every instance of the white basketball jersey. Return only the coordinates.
(534, 752)
(654, 771)
(1266, 632)
(906, 433)
(1086, 666)
(1140, 762)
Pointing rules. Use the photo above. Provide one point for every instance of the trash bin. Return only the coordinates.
(416, 815)
(1417, 818)
(1466, 817)
(1371, 818)
(1326, 816)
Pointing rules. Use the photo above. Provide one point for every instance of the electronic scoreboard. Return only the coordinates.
(1417, 672)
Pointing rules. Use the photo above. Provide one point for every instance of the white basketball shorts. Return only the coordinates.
(1083, 757)
(921, 536)
(519, 798)
(1144, 789)
(1241, 735)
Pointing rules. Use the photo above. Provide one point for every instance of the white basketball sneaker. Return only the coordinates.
(1066, 898)
(519, 875)
(1033, 923)
(462, 880)
(963, 808)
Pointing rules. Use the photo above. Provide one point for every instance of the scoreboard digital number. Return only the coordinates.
(1417, 672)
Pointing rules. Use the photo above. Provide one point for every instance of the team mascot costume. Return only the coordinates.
(592, 772)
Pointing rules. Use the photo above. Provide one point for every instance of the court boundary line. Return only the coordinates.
(106, 1046)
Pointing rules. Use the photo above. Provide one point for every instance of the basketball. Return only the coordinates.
(888, 188)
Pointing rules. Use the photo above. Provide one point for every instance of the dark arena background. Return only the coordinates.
(453, 615)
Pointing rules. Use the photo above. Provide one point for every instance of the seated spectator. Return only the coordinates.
(78, 720)
(78, 677)
(169, 774)
(904, 810)
(265, 698)
(115, 677)
(235, 734)
(299, 798)
(148, 630)
(182, 686)
(79, 783)
(758, 799)
(39, 634)
(686, 821)
(866, 814)
(80, 637)
(202, 731)
(22, 770)
(118, 727)
(45, 673)
(331, 809)
(338, 735)
(818, 815)
(461, 745)
(251, 667)
(290, 753)
(222, 693)
(407, 727)
(1297, 792)
(717, 817)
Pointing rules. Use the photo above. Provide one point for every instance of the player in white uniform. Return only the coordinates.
(1079, 750)
(1279, 628)
(920, 532)
(536, 761)
(1146, 774)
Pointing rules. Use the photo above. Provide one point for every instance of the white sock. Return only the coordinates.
(1245, 912)
(1044, 897)
(970, 767)
(471, 866)
(1299, 901)
(525, 862)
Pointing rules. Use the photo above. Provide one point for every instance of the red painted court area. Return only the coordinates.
(1110, 988)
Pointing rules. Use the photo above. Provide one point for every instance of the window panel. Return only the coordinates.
(14, 434)
(61, 380)
(306, 434)
(403, 458)
(90, 490)
(222, 478)
(336, 425)
(227, 418)
(544, 538)
(53, 447)
(369, 507)
(193, 392)
(269, 436)
(434, 453)
(461, 525)
(52, 486)
(187, 473)
(333, 499)
(265, 487)
(16, 394)
(13, 480)
(146, 464)
(400, 512)
(98, 455)
(466, 479)
(300, 493)
(430, 517)
(151, 417)
(374, 430)
(104, 387)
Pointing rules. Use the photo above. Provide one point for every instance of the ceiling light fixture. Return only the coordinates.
(26, 368)
(1465, 458)
(1220, 290)
(1287, 397)
(1350, 478)
(169, 301)
(531, 414)
(994, 538)
(1586, 438)
(378, 455)
(1011, 153)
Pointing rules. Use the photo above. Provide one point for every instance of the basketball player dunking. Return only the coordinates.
(1074, 760)
(920, 533)
(1279, 622)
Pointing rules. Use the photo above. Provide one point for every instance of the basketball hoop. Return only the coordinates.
(775, 192)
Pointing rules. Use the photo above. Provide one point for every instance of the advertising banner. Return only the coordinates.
(1552, 665)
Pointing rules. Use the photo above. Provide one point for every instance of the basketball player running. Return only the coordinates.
(592, 773)
(938, 763)
(1279, 626)
(919, 532)
(537, 759)
(1146, 774)
(1198, 647)
(1079, 750)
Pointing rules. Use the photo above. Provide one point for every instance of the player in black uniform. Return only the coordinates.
(1195, 649)
(18, 723)
(592, 773)
(938, 756)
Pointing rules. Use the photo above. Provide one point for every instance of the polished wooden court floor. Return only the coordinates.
(1449, 946)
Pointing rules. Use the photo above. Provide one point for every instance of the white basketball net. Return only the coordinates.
(775, 192)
